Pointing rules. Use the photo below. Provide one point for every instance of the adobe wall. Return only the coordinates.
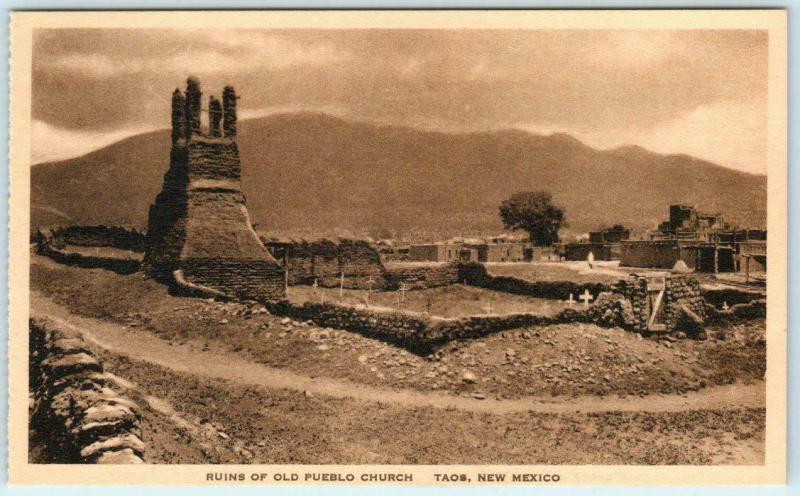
(656, 254)
(326, 260)
(579, 251)
(418, 276)
(77, 417)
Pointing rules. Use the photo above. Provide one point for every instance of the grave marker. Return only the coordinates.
(586, 297)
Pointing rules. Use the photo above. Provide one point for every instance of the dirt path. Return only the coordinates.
(189, 358)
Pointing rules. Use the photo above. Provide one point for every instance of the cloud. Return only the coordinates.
(733, 134)
(194, 52)
(50, 143)
(605, 87)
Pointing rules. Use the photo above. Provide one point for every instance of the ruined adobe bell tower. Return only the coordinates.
(199, 223)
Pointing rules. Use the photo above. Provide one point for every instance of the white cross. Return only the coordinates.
(488, 308)
(571, 301)
(315, 286)
(586, 297)
(725, 305)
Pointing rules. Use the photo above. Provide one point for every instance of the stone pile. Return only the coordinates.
(611, 310)
(76, 414)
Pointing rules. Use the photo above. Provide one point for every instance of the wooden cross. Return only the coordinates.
(586, 297)
(571, 301)
(725, 305)
(370, 282)
(402, 292)
(341, 287)
(315, 286)
(488, 308)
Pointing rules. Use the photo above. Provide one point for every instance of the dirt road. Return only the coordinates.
(191, 358)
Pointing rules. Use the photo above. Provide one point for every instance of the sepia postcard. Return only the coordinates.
(417, 248)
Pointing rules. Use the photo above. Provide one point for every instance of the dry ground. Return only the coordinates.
(262, 424)
(450, 301)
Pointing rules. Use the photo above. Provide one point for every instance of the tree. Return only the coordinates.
(535, 213)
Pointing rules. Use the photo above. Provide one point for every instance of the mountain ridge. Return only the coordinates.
(313, 173)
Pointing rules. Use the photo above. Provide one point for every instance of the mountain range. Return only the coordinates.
(310, 174)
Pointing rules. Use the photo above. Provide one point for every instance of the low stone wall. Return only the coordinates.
(731, 296)
(756, 309)
(421, 276)
(118, 265)
(420, 333)
(111, 236)
(76, 415)
(475, 274)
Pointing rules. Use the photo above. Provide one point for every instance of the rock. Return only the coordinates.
(469, 378)
(323, 347)
(120, 442)
(223, 321)
(285, 320)
(120, 457)
(478, 396)
(362, 358)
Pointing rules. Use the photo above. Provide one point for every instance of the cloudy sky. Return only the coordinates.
(698, 92)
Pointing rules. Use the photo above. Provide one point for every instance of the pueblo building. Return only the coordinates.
(494, 249)
(705, 242)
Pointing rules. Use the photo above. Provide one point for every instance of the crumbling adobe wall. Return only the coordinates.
(361, 264)
(199, 223)
(419, 276)
(77, 417)
(325, 261)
